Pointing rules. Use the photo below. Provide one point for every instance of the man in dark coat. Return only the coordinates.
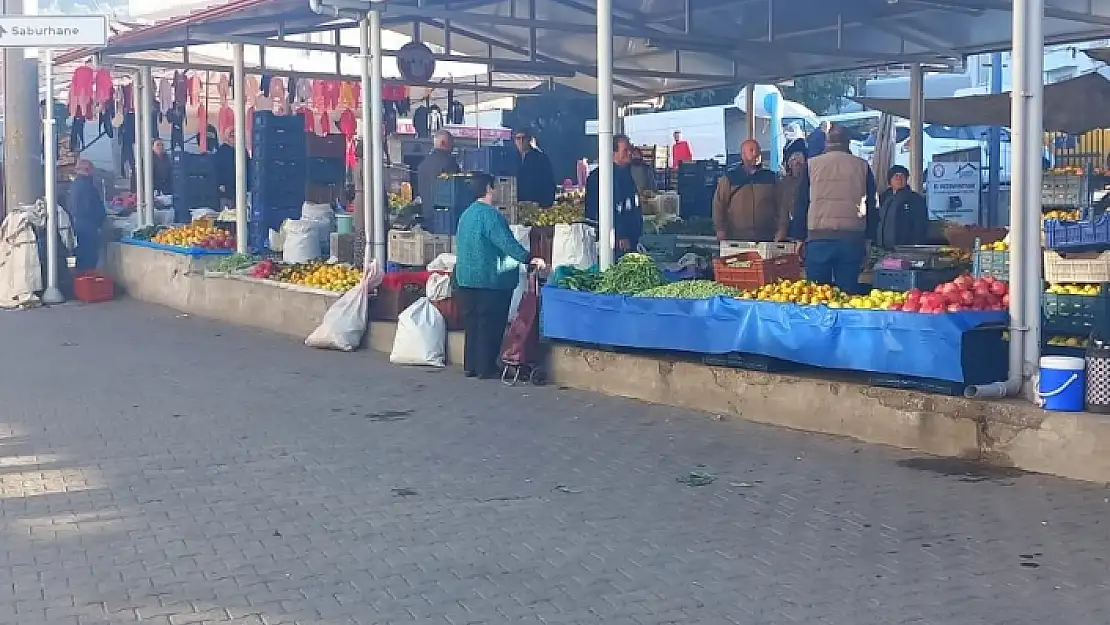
(628, 217)
(87, 213)
(903, 214)
(439, 161)
(535, 178)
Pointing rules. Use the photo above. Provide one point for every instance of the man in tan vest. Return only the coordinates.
(836, 215)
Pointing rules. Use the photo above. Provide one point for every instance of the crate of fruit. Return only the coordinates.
(1076, 310)
(1064, 191)
(906, 279)
(1077, 267)
(766, 250)
(1086, 233)
(416, 248)
(749, 270)
(992, 259)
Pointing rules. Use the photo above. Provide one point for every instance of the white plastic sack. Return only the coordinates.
(196, 214)
(321, 216)
(523, 236)
(421, 336)
(20, 272)
(574, 245)
(438, 287)
(345, 322)
(301, 244)
(443, 262)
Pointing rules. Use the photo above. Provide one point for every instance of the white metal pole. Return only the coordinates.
(377, 156)
(138, 154)
(145, 148)
(52, 294)
(367, 143)
(1020, 291)
(605, 238)
(241, 139)
(1032, 153)
(917, 126)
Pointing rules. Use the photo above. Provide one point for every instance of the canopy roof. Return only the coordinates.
(660, 46)
(1074, 106)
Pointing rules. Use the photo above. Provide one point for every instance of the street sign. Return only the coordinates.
(53, 31)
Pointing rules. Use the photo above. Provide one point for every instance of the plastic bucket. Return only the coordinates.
(343, 223)
(1061, 384)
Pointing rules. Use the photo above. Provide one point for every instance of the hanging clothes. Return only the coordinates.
(291, 90)
(224, 88)
(128, 99)
(435, 119)
(351, 153)
(81, 88)
(320, 95)
(202, 126)
(180, 89)
(77, 131)
(305, 89)
(347, 95)
(225, 121)
(102, 86)
(309, 119)
(250, 88)
(176, 117)
(277, 88)
(420, 121)
(104, 121)
(323, 127)
(403, 106)
(332, 93)
(194, 90)
(164, 101)
(264, 84)
(347, 123)
(358, 94)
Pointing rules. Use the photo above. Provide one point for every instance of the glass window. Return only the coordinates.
(901, 133)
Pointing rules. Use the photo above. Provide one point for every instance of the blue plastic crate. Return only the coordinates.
(1060, 235)
(991, 263)
(905, 279)
(453, 192)
(442, 220)
(493, 160)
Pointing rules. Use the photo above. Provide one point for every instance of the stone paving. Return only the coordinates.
(158, 468)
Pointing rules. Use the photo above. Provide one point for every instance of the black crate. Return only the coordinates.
(1076, 315)
(270, 124)
(494, 160)
(282, 150)
(906, 279)
(189, 164)
(328, 146)
(326, 171)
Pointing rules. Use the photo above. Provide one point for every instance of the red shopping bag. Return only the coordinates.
(522, 338)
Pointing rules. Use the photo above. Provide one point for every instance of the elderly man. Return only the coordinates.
(535, 178)
(836, 215)
(439, 161)
(628, 217)
(86, 212)
(746, 203)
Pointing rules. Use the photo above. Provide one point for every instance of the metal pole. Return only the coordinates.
(148, 158)
(1020, 291)
(1032, 153)
(139, 160)
(377, 140)
(917, 126)
(605, 237)
(22, 168)
(239, 105)
(52, 294)
(749, 99)
(994, 154)
(367, 143)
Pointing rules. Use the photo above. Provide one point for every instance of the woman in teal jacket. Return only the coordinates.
(486, 272)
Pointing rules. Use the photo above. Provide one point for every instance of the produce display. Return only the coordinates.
(1062, 215)
(263, 270)
(200, 234)
(1089, 290)
(632, 274)
(1068, 341)
(125, 201)
(401, 198)
(575, 279)
(691, 289)
(147, 233)
(997, 246)
(563, 212)
(799, 292)
(338, 277)
(234, 262)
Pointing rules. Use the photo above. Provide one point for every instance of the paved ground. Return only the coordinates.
(163, 469)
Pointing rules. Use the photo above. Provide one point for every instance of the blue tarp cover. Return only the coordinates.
(191, 251)
(892, 342)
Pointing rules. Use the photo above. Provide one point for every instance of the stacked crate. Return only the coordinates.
(326, 166)
(279, 173)
(194, 184)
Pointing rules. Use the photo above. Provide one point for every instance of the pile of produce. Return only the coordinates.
(962, 294)
(691, 289)
(234, 262)
(1089, 290)
(401, 198)
(200, 234)
(997, 246)
(575, 279)
(1062, 215)
(798, 292)
(560, 213)
(1068, 341)
(263, 270)
(147, 233)
(338, 277)
(632, 274)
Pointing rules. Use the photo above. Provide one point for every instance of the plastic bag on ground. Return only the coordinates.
(301, 242)
(438, 287)
(421, 337)
(574, 245)
(522, 338)
(345, 322)
(523, 235)
(443, 262)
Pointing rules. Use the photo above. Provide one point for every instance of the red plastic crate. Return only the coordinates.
(92, 287)
(753, 271)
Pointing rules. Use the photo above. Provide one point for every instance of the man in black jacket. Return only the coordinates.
(439, 161)
(535, 178)
(903, 213)
(628, 217)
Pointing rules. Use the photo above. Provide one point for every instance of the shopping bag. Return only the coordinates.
(345, 322)
(522, 338)
(438, 287)
(421, 337)
(574, 245)
(523, 236)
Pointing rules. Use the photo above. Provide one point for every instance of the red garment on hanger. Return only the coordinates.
(319, 95)
(352, 153)
(323, 128)
(347, 123)
(309, 119)
(332, 93)
(225, 121)
(223, 89)
(202, 128)
(81, 88)
(194, 90)
(102, 85)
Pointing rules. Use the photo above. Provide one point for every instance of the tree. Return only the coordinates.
(699, 98)
(820, 94)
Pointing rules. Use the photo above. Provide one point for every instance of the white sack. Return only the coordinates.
(20, 272)
(345, 322)
(421, 336)
(523, 236)
(301, 244)
(574, 245)
(321, 216)
(443, 262)
(438, 287)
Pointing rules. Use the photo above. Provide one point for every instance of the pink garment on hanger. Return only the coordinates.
(165, 95)
(225, 121)
(277, 88)
(332, 94)
(194, 90)
(309, 119)
(319, 95)
(347, 123)
(81, 88)
(102, 85)
(323, 127)
(358, 94)
(223, 89)
(252, 89)
(347, 95)
(202, 127)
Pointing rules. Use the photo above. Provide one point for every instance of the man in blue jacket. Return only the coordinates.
(87, 213)
(628, 218)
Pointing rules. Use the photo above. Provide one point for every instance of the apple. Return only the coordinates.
(894, 306)
(955, 308)
(1006, 300)
(999, 288)
(964, 281)
(967, 298)
(911, 305)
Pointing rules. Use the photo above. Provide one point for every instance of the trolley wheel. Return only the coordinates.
(536, 377)
(516, 371)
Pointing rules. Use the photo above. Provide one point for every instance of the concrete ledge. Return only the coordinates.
(1006, 433)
